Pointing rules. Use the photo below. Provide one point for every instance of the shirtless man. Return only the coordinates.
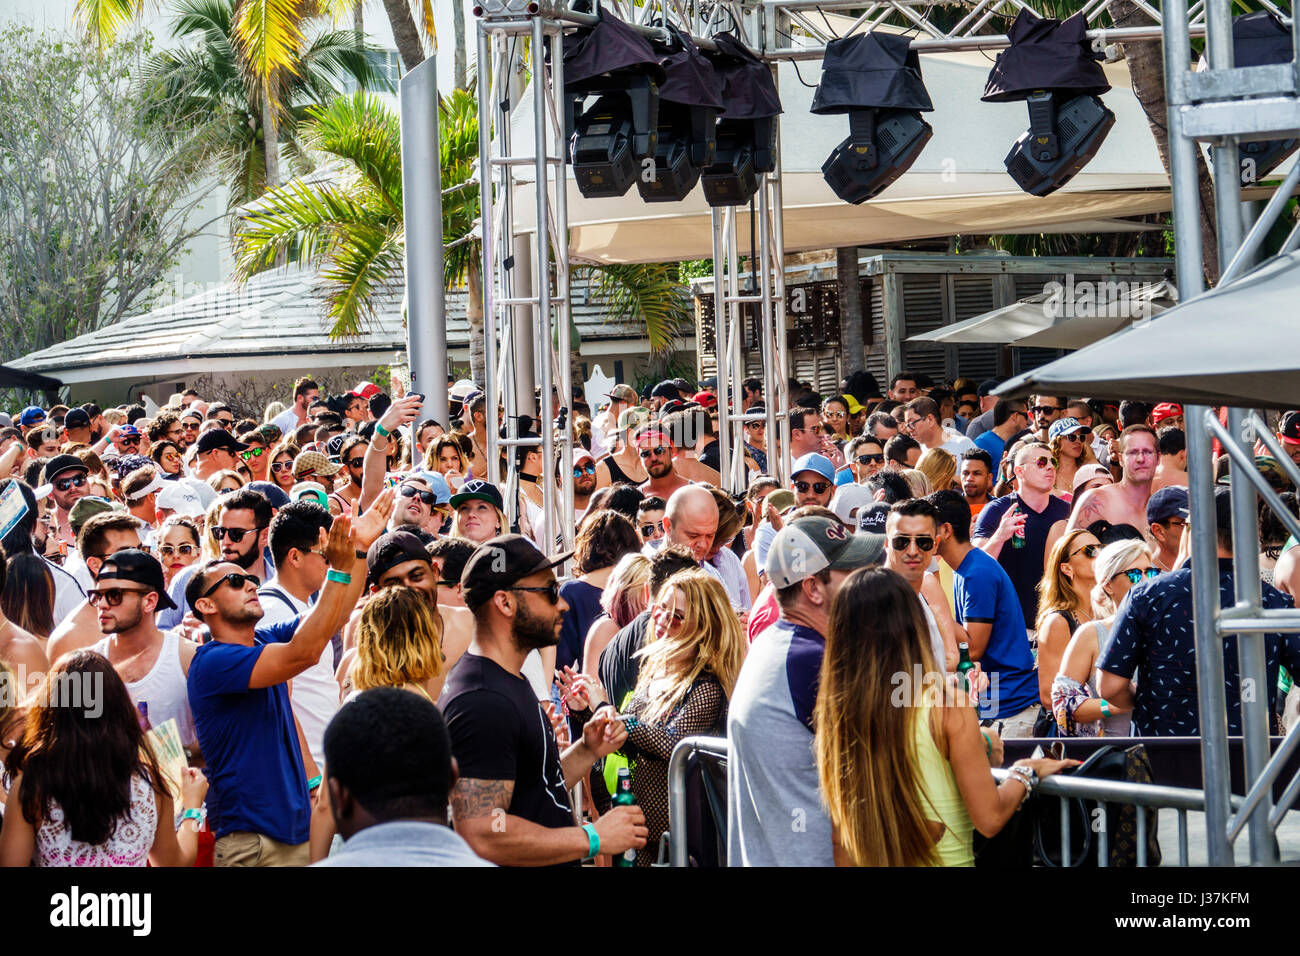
(656, 451)
(1172, 469)
(685, 430)
(1126, 501)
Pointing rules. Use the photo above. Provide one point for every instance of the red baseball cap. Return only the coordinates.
(1289, 429)
(706, 399)
(365, 390)
(1165, 410)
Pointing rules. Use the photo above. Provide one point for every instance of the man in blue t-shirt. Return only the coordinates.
(260, 772)
(1010, 418)
(1033, 518)
(987, 606)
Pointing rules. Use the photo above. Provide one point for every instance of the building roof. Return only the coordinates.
(277, 313)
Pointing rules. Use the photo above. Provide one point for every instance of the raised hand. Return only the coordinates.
(372, 522)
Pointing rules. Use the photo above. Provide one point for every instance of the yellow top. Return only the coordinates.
(939, 792)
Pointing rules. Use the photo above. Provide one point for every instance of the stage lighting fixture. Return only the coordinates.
(689, 103)
(1261, 39)
(609, 138)
(876, 79)
(746, 132)
(1050, 65)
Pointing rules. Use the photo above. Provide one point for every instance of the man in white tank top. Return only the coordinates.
(128, 592)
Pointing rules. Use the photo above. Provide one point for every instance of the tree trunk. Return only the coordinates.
(849, 287)
(474, 314)
(1146, 68)
(270, 141)
(359, 22)
(460, 66)
(405, 33)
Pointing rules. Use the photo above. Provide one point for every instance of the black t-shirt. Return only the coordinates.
(712, 456)
(618, 668)
(499, 732)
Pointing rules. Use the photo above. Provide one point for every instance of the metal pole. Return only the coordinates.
(1253, 676)
(525, 332)
(727, 446)
(1227, 171)
(426, 308)
(779, 402)
(568, 523)
(493, 125)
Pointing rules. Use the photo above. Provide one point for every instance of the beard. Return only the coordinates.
(125, 623)
(532, 631)
(249, 557)
(659, 468)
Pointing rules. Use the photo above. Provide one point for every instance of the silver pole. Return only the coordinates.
(525, 331)
(727, 444)
(491, 126)
(542, 285)
(1226, 167)
(561, 243)
(1253, 676)
(779, 402)
(426, 308)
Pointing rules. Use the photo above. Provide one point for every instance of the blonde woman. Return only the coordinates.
(399, 644)
(917, 482)
(446, 457)
(478, 512)
(1064, 602)
(1078, 708)
(903, 786)
(940, 469)
(688, 669)
(1071, 447)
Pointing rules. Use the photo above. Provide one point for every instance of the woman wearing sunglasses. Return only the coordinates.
(256, 457)
(179, 545)
(168, 459)
(1064, 603)
(1071, 447)
(835, 419)
(281, 464)
(1079, 709)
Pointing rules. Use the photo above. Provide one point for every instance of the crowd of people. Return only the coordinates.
(332, 637)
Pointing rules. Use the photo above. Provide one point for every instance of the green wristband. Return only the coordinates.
(192, 814)
(381, 431)
(593, 841)
(988, 744)
(342, 577)
(1105, 708)
(313, 783)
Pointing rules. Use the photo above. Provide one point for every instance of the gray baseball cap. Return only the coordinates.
(809, 545)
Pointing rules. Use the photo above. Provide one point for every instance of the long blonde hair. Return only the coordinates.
(939, 467)
(1056, 594)
(399, 640)
(709, 628)
(865, 743)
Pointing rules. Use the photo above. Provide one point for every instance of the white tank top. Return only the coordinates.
(164, 688)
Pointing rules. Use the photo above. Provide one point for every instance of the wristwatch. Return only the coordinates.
(1027, 776)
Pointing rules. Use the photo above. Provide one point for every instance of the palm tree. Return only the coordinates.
(352, 228)
(204, 78)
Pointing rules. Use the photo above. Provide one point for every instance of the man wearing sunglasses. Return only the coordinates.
(217, 451)
(1124, 502)
(812, 479)
(423, 501)
(989, 607)
(66, 475)
(103, 535)
(191, 422)
(260, 769)
(865, 456)
(656, 451)
(911, 537)
(1045, 409)
(511, 802)
(1167, 520)
(1018, 530)
(128, 591)
(921, 421)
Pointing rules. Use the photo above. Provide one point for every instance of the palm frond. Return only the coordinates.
(335, 54)
(211, 19)
(269, 36)
(427, 26)
(102, 20)
(651, 292)
(301, 222)
(366, 133)
(357, 266)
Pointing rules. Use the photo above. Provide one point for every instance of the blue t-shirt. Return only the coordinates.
(256, 779)
(982, 592)
(584, 607)
(1023, 565)
(994, 444)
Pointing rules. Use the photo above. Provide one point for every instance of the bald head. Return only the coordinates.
(691, 519)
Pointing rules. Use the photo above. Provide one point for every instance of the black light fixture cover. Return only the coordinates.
(1261, 39)
(1051, 66)
(876, 79)
(690, 100)
(618, 65)
(746, 133)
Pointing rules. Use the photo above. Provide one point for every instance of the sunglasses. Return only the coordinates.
(234, 579)
(656, 451)
(112, 596)
(410, 491)
(1042, 461)
(901, 542)
(819, 487)
(128, 440)
(649, 530)
(1045, 410)
(1088, 550)
(356, 462)
(190, 426)
(226, 423)
(1136, 575)
(280, 466)
(836, 415)
(236, 535)
(184, 550)
(251, 454)
(869, 459)
(551, 590)
(588, 470)
(63, 484)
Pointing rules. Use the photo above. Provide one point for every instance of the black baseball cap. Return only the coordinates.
(478, 489)
(987, 386)
(666, 390)
(59, 464)
(1289, 429)
(391, 549)
(76, 418)
(140, 567)
(215, 438)
(499, 563)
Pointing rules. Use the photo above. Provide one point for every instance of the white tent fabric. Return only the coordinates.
(958, 184)
(1235, 345)
(1070, 316)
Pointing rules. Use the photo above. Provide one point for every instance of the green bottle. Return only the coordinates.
(624, 797)
(964, 666)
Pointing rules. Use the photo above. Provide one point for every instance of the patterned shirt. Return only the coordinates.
(1153, 637)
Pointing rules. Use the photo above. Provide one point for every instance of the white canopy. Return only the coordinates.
(1235, 345)
(958, 184)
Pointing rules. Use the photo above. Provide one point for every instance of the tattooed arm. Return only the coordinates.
(1091, 507)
